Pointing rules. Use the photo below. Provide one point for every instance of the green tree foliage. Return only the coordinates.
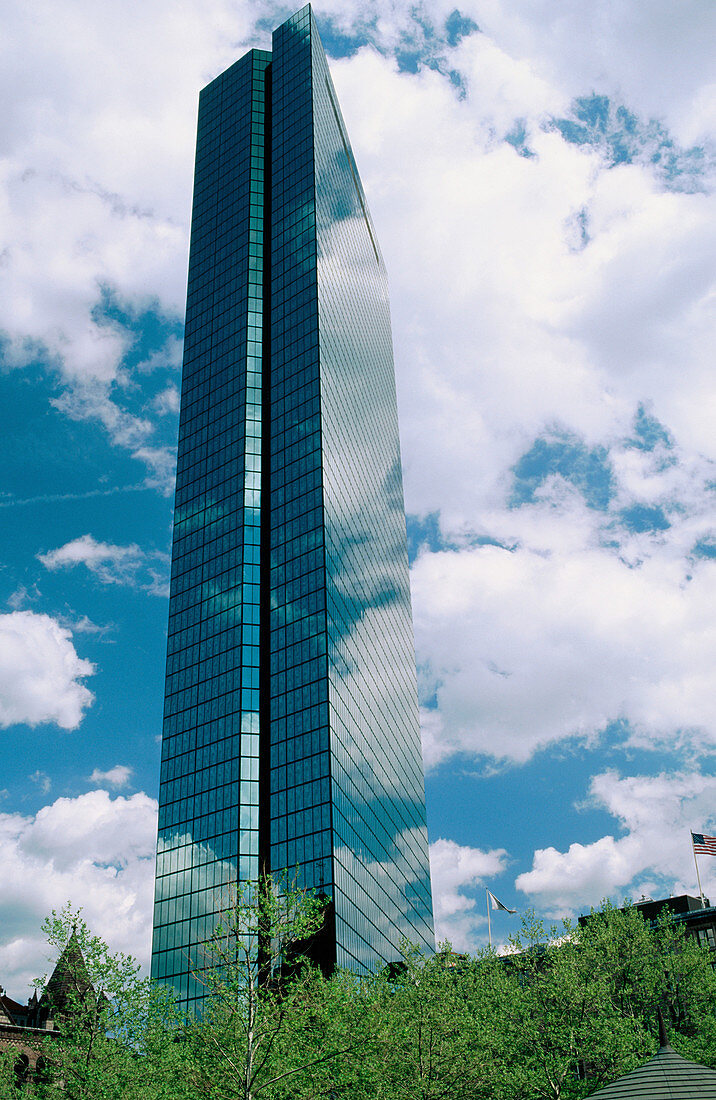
(114, 1029)
(11, 1084)
(561, 1034)
(430, 1048)
(569, 1009)
(256, 991)
(579, 1003)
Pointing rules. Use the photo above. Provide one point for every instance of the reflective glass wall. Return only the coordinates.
(381, 867)
(342, 640)
(291, 734)
(299, 719)
(209, 783)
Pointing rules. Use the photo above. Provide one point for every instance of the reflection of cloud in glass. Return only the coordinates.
(392, 876)
(382, 878)
(194, 884)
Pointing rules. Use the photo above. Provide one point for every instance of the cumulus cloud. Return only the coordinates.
(102, 558)
(40, 672)
(500, 321)
(523, 646)
(657, 57)
(118, 776)
(111, 564)
(455, 870)
(532, 332)
(652, 856)
(579, 296)
(540, 292)
(96, 852)
(114, 231)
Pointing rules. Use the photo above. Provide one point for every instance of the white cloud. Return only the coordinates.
(529, 646)
(21, 596)
(42, 779)
(500, 325)
(167, 401)
(40, 672)
(498, 321)
(455, 869)
(98, 178)
(101, 558)
(95, 190)
(160, 463)
(656, 56)
(94, 851)
(118, 776)
(111, 564)
(84, 625)
(653, 856)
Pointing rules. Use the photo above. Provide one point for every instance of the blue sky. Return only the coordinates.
(542, 186)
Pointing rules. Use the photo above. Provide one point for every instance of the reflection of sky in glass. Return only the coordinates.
(300, 799)
(383, 889)
(209, 784)
(311, 464)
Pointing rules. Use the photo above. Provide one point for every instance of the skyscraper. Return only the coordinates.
(291, 732)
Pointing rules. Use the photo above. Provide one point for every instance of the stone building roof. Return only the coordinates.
(69, 981)
(68, 985)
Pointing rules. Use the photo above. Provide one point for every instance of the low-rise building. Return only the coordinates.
(698, 916)
(25, 1027)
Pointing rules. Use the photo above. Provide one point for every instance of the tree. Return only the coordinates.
(13, 1074)
(564, 1036)
(331, 1039)
(259, 989)
(577, 1005)
(114, 1028)
(654, 967)
(427, 1048)
(571, 1008)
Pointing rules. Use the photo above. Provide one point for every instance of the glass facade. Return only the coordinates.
(291, 735)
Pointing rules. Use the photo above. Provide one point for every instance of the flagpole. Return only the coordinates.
(698, 876)
(489, 926)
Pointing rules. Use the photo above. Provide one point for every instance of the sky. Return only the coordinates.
(541, 178)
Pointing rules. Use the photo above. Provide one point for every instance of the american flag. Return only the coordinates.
(704, 845)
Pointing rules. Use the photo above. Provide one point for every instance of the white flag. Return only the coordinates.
(495, 904)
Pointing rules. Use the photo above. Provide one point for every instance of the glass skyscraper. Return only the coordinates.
(291, 734)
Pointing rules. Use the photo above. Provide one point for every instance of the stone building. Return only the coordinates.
(24, 1028)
